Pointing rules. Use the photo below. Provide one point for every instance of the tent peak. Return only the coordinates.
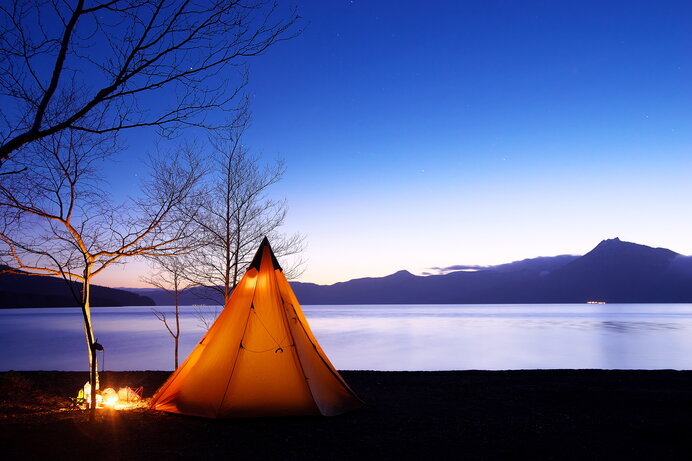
(257, 260)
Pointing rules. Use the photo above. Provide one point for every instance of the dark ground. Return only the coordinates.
(551, 414)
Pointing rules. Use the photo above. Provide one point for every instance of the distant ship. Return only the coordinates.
(595, 302)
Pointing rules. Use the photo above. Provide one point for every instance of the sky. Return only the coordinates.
(474, 132)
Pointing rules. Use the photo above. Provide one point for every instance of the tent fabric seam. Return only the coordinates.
(325, 362)
(235, 361)
(295, 349)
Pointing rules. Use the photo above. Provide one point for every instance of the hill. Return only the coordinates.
(614, 271)
(189, 297)
(25, 290)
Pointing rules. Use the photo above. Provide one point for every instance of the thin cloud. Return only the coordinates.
(455, 268)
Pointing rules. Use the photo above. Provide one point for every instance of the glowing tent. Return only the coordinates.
(259, 358)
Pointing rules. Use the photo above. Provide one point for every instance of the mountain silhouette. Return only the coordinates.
(614, 271)
(617, 271)
(189, 297)
(25, 290)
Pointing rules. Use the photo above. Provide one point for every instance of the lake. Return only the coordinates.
(380, 337)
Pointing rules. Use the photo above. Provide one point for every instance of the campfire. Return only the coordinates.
(121, 399)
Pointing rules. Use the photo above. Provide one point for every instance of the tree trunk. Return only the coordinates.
(236, 260)
(177, 325)
(88, 330)
(227, 269)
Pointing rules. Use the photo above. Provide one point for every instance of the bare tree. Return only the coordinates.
(169, 276)
(169, 270)
(237, 213)
(206, 314)
(102, 66)
(59, 220)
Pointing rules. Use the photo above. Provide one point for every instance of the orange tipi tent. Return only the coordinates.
(259, 358)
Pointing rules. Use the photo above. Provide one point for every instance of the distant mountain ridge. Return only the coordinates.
(614, 271)
(189, 297)
(25, 290)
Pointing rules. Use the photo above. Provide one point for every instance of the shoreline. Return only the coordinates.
(570, 303)
(565, 414)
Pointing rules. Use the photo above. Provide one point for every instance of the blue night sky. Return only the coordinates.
(476, 132)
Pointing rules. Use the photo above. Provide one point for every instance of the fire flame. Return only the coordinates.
(123, 398)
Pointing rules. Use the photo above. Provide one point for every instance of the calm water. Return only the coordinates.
(407, 337)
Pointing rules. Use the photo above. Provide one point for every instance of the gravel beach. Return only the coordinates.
(537, 414)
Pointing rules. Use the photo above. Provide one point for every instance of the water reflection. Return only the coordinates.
(628, 327)
(412, 337)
